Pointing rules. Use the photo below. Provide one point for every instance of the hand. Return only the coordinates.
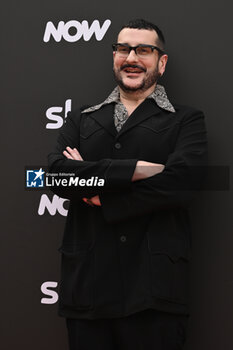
(145, 169)
(75, 155)
(93, 201)
(72, 153)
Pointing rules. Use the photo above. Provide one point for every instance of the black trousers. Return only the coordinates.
(146, 330)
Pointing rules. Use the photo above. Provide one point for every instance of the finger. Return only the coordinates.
(74, 153)
(88, 201)
(96, 201)
(67, 155)
(79, 155)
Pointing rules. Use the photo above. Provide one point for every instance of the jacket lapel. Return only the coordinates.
(144, 111)
(104, 117)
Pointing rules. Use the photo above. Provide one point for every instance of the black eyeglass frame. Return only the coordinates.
(114, 47)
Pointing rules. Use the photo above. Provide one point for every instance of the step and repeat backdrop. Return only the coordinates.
(57, 56)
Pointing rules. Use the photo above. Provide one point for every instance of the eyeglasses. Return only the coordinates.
(142, 51)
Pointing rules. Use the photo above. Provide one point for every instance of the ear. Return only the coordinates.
(162, 64)
(113, 55)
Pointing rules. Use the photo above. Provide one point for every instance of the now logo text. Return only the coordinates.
(73, 30)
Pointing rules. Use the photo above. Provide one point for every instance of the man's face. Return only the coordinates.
(133, 73)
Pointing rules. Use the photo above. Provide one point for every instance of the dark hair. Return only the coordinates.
(143, 24)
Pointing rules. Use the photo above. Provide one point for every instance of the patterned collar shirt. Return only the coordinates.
(120, 112)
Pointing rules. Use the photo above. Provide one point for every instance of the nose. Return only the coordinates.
(132, 57)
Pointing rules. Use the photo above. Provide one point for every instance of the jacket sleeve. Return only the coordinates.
(175, 186)
(102, 169)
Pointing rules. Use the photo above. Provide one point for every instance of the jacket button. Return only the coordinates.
(123, 238)
(117, 145)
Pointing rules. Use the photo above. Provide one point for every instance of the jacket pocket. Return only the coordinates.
(77, 269)
(170, 272)
(159, 127)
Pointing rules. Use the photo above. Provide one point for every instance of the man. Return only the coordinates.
(126, 246)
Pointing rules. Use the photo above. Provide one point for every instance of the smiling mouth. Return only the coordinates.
(131, 69)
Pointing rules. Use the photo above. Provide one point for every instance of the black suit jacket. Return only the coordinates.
(132, 253)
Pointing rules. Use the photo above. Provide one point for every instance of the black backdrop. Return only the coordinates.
(41, 79)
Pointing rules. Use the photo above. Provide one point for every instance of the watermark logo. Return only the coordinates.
(42, 179)
(35, 178)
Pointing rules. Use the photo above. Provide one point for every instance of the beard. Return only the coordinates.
(146, 83)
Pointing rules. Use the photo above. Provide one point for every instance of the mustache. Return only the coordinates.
(133, 66)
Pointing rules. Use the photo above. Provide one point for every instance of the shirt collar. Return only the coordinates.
(158, 95)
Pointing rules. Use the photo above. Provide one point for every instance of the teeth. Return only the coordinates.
(132, 71)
